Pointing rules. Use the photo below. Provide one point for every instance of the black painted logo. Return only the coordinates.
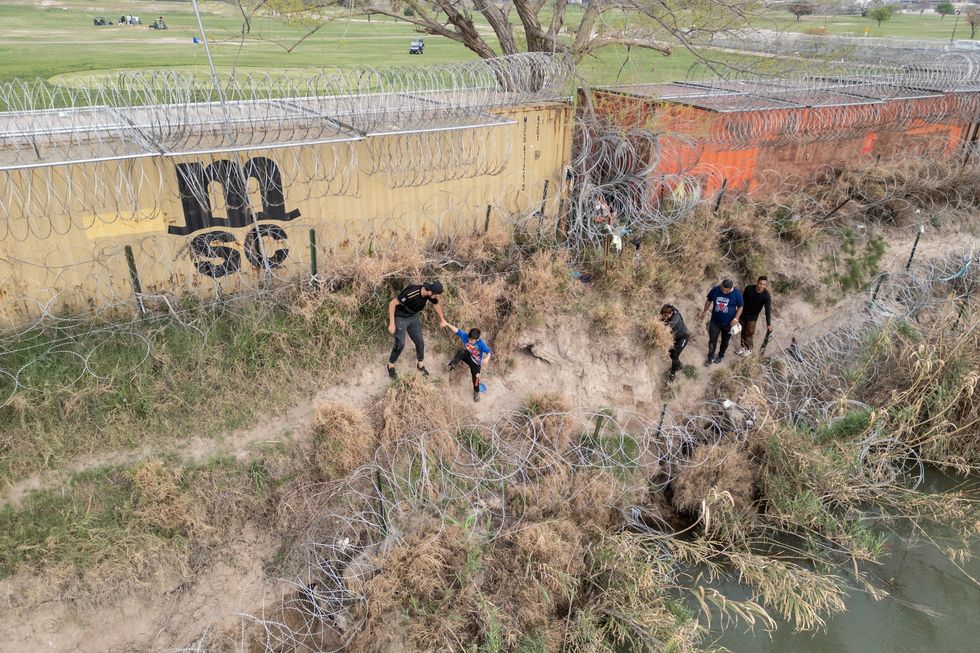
(212, 251)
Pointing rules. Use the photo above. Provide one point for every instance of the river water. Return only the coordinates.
(932, 607)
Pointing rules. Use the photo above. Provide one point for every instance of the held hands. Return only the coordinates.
(769, 328)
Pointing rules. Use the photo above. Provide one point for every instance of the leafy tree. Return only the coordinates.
(801, 9)
(880, 14)
(945, 9)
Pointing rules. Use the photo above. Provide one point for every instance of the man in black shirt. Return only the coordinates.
(672, 318)
(403, 316)
(756, 298)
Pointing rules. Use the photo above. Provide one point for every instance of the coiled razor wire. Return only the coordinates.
(410, 487)
(168, 113)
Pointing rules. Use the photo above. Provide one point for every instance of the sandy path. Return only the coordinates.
(566, 358)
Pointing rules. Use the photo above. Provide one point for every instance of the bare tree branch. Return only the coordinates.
(655, 25)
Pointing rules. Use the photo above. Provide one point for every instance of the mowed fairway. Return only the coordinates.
(929, 25)
(55, 40)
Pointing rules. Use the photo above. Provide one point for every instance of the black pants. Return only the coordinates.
(675, 354)
(413, 325)
(463, 356)
(713, 332)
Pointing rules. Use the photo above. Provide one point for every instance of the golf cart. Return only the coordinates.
(100, 21)
(129, 20)
(417, 47)
(158, 24)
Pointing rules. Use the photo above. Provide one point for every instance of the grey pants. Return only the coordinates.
(413, 325)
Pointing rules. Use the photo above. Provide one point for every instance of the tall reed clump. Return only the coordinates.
(926, 387)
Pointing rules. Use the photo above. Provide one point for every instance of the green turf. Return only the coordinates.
(929, 25)
(56, 40)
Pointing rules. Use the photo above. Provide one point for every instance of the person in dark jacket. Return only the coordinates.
(403, 316)
(756, 297)
(673, 319)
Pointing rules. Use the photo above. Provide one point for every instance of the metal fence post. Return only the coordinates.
(313, 269)
(874, 293)
(915, 245)
(663, 414)
(721, 194)
(134, 277)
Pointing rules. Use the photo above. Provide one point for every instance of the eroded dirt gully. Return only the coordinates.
(565, 356)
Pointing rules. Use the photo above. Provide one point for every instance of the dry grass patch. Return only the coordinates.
(609, 317)
(343, 439)
(416, 596)
(549, 414)
(533, 578)
(160, 501)
(413, 407)
(588, 497)
(718, 483)
(691, 249)
(657, 336)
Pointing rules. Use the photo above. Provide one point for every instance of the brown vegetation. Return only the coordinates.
(160, 502)
(342, 439)
(718, 484)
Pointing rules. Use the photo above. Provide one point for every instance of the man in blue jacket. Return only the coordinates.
(726, 305)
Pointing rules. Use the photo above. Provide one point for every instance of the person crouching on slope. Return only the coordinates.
(475, 353)
(403, 316)
(673, 319)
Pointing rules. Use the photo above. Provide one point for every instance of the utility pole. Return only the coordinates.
(214, 73)
(955, 23)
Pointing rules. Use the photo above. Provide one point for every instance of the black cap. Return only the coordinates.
(434, 287)
(727, 284)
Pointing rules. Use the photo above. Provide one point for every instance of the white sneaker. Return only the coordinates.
(740, 352)
(745, 353)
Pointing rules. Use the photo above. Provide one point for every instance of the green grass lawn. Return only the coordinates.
(56, 40)
(929, 25)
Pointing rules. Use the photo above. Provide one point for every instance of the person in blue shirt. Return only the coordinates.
(726, 305)
(475, 353)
